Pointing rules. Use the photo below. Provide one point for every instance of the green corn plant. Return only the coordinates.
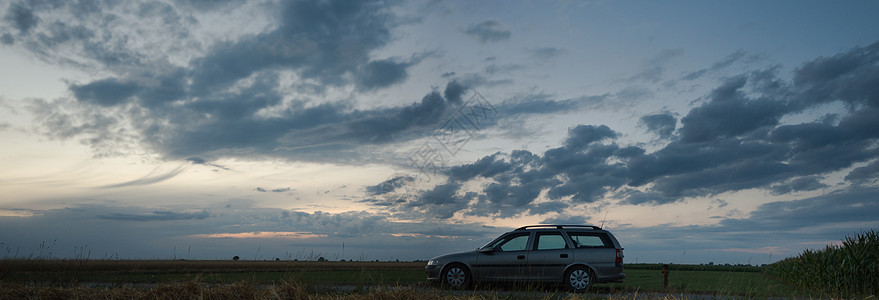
(849, 269)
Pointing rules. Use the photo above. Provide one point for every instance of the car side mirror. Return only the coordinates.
(485, 250)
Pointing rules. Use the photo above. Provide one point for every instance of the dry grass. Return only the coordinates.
(133, 266)
(243, 290)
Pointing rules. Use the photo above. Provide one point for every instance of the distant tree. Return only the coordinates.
(321, 259)
(235, 258)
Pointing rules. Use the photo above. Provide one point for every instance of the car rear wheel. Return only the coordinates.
(456, 276)
(578, 279)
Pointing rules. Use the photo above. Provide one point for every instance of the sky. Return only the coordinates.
(737, 132)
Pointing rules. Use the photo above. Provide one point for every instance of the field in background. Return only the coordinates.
(141, 277)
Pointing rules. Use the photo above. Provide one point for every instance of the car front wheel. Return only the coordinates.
(578, 279)
(456, 276)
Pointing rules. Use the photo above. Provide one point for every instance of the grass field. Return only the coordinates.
(264, 279)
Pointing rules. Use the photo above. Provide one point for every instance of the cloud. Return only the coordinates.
(516, 180)
(389, 186)
(227, 98)
(808, 183)
(720, 65)
(106, 92)
(733, 140)
(488, 31)
(865, 174)
(661, 124)
(156, 216)
(148, 179)
(7, 39)
(849, 77)
(730, 113)
(382, 73)
(202, 161)
(277, 190)
(653, 69)
(21, 17)
(855, 205)
(567, 220)
(546, 52)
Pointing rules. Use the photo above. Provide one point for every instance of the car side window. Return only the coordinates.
(512, 243)
(550, 241)
(590, 240)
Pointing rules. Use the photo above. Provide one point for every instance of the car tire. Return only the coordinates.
(578, 279)
(455, 276)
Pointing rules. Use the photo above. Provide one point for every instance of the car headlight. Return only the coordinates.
(432, 262)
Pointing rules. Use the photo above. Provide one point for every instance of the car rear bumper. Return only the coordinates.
(614, 278)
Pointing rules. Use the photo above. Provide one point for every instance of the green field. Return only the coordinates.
(264, 279)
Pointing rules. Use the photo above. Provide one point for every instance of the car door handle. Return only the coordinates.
(563, 255)
(521, 257)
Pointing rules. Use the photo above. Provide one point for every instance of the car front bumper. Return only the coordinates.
(433, 272)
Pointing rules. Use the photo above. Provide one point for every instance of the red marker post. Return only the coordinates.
(664, 276)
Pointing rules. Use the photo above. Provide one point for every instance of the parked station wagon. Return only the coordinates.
(574, 255)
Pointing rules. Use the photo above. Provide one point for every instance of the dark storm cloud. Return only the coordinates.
(454, 91)
(106, 92)
(662, 124)
(21, 17)
(808, 183)
(382, 73)
(488, 31)
(215, 105)
(442, 201)
(636, 197)
(156, 216)
(389, 185)
(864, 174)
(574, 171)
(730, 113)
(850, 77)
(733, 140)
(321, 40)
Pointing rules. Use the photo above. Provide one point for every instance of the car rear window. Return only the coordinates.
(590, 240)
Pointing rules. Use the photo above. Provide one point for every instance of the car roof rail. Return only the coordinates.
(560, 226)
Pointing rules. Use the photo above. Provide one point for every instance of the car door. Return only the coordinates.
(508, 259)
(550, 256)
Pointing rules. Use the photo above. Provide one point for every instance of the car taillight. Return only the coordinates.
(619, 256)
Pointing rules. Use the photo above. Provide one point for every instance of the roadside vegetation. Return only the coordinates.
(850, 269)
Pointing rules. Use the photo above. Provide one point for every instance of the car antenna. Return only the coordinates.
(605, 218)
